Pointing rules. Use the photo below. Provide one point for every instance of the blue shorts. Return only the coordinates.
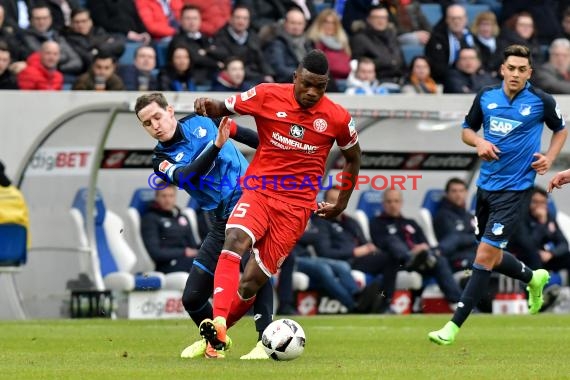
(499, 214)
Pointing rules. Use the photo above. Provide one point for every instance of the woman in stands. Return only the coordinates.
(177, 75)
(419, 81)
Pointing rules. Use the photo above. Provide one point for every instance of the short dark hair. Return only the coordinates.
(316, 62)
(517, 51)
(78, 11)
(146, 99)
(189, 7)
(454, 181)
(539, 190)
(104, 54)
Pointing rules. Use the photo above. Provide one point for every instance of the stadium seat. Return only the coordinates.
(411, 51)
(13, 251)
(369, 206)
(116, 258)
(128, 57)
(161, 49)
(140, 202)
(473, 10)
(191, 212)
(430, 206)
(432, 12)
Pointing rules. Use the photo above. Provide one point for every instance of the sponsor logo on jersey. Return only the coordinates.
(502, 127)
(164, 166)
(297, 131)
(525, 109)
(281, 114)
(492, 106)
(287, 143)
(247, 94)
(179, 156)
(320, 125)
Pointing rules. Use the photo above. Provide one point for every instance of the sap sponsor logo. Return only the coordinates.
(502, 127)
(247, 94)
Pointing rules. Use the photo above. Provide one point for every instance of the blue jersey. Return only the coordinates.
(216, 189)
(515, 127)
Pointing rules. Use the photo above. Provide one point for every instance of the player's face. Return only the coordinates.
(457, 194)
(515, 71)
(160, 123)
(392, 200)
(309, 87)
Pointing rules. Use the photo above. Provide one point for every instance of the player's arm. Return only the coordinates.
(553, 120)
(561, 178)
(472, 124)
(210, 107)
(350, 170)
(241, 134)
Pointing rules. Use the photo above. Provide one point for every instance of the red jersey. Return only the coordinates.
(294, 142)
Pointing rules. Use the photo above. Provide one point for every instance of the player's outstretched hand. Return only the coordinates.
(328, 210)
(542, 163)
(201, 106)
(561, 178)
(223, 132)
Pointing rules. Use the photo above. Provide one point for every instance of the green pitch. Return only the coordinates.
(338, 347)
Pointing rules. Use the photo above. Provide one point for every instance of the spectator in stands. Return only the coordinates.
(160, 18)
(119, 17)
(141, 75)
(9, 35)
(411, 24)
(167, 234)
(544, 13)
(566, 23)
(330, 275)
(17, 13)
(231, 78)
(177, 75)
(519, 29)
(404, 239)
(206, 58)
(327, 35)
(448, 37)
(88, 40)
(486, 30)
(41, 30)
(7, 78)
(215, 14)
(356, 13)
(101, 76)
(12, 204)
(539, 242)
(41, 71)
(362, 81)
(378, 40)
(265, 13)
(454, 227)
(236, 40)
(419, 81)
(285, 51)
(467, 77)
(554, 75)
(61, 11)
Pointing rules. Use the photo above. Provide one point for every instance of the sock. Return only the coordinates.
(477, 285)
(514, 268)
(263, 307)
(238, 309)
(226, 281)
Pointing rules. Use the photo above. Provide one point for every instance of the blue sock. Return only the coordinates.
(476, 287)
(514, 268)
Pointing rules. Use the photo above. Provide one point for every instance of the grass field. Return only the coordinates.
(338, 347)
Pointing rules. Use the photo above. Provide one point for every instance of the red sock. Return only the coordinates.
(226, 281)
(239, 308)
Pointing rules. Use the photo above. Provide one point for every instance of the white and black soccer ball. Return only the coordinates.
(283, 339)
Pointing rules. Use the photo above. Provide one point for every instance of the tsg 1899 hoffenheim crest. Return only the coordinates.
(524, 109)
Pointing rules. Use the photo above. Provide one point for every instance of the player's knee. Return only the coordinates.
(237, 241)
(193, 301)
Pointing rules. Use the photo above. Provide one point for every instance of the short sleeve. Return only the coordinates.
(248, 102)
(347, 136)
(474, 118)
(552, 115)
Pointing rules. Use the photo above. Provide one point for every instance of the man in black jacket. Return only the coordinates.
(167, 234)
(454, 227)
(403, 238)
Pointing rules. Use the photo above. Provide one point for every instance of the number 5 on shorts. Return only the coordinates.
(240, 210)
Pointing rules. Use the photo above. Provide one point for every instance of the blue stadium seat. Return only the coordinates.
(473, 10)
(161, 49)
(13, 250)
(128, 57)
(411, 51)
(369, 206)
(116, 259)
(430, 206)
(432, 12)
(140, 202)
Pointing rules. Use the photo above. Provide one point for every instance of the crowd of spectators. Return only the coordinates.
(373, 46)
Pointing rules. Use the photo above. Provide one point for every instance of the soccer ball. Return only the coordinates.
(283, 339)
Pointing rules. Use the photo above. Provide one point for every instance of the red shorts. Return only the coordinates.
(273, 226)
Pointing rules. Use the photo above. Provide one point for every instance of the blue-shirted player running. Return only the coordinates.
(512, 116)
(192, 154)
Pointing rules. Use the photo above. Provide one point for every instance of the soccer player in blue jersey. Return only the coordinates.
(512, 116)
(193, 154)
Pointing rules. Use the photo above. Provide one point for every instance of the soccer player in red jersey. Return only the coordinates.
(297, 126)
